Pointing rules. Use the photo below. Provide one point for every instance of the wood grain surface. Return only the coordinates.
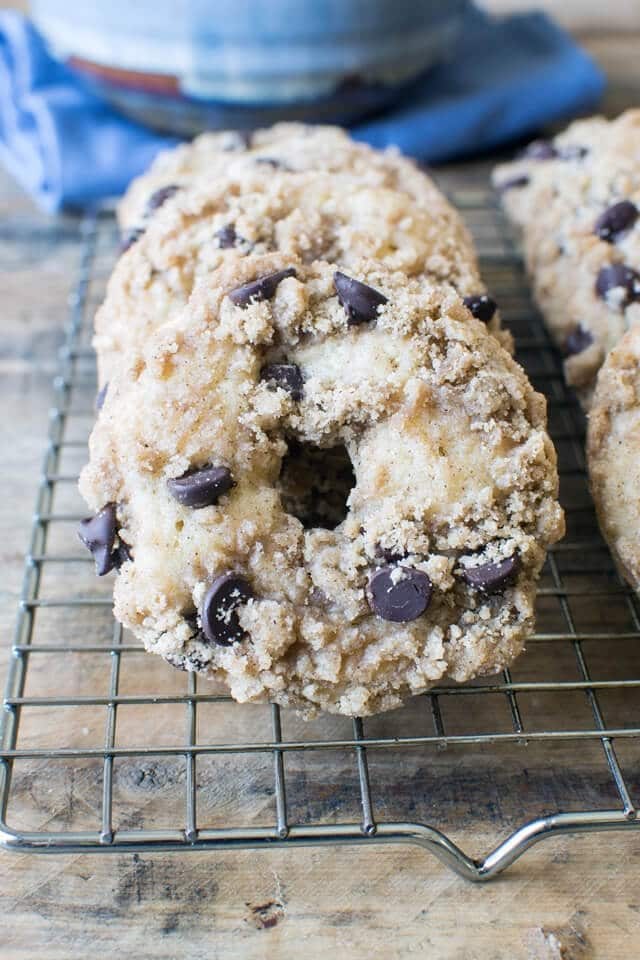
(573, 898)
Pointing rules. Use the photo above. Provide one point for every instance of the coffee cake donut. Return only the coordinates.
(578, 201)
(525, 184)
(292, 147)
(613, 448)
(329, 490)
(336, 217)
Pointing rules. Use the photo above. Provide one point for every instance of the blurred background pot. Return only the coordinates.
(187, 65)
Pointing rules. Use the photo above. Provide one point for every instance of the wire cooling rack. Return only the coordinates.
(105, 748)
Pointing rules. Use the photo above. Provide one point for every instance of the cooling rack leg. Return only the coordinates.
(511, 849)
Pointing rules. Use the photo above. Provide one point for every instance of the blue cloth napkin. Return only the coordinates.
(61, 142)
(505, 79)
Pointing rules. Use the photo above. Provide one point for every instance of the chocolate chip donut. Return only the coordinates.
(328, 488)
(577, 199)
(284, 147)
(613, 447)
(309, 215)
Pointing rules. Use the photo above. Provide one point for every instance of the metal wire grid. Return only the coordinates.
(583, 605)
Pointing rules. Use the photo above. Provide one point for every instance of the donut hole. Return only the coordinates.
(315, 483)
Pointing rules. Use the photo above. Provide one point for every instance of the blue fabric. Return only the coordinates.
(505, 79)
(61, 142)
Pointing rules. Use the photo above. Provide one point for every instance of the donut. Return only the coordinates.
(613, 450)
(327, 489)
(337, 217)
(577, 199)
(284, 147)
(525, 184)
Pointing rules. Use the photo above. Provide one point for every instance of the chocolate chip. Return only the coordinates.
(401, 601)
(577, 341)
(218, 615)
(616, 220)
(98, 534)
(360, 301)
(574, 151)
(619, 276)
(226, 236)
(101, 396)
(261, 289)
(514, 182)
(284, 375)
(201, 488)
(390, 556)
(540, 150)
(491, 577)
(129, 237)
(481, 306)
(275, 163)
(158, 197)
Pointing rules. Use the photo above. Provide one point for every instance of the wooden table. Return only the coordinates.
(577, 898)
